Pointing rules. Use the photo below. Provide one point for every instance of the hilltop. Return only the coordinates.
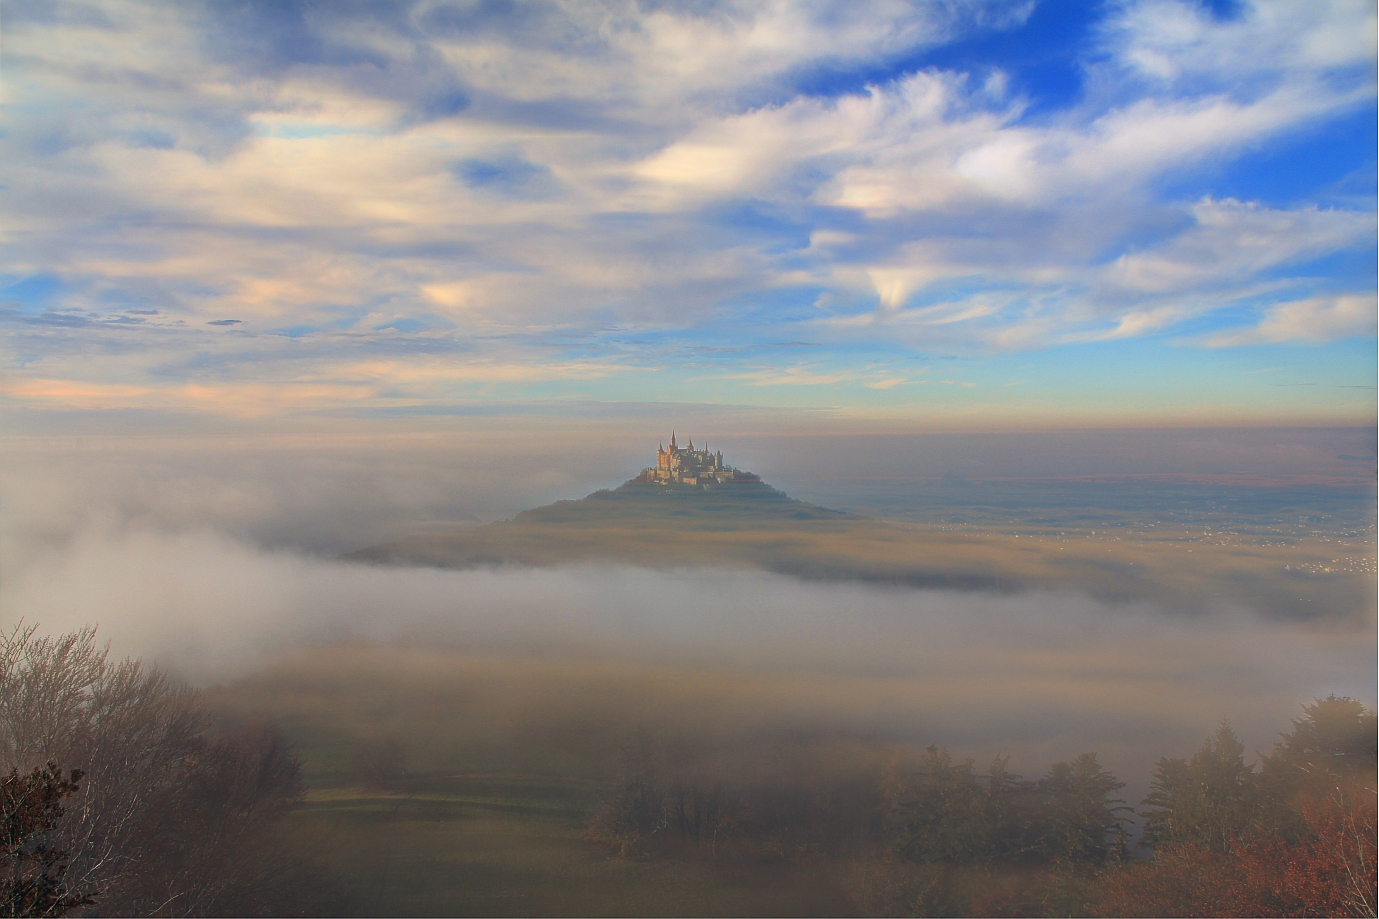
(724, 506)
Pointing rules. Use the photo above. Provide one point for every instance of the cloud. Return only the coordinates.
(324, 489)
(1316, 319)
(208, 551)
(1232, 242)
(551, 184)
(76, 394)
(798, 375)
(1175, 42)
(1230, 252)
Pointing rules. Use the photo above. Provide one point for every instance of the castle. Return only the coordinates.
(688, 466)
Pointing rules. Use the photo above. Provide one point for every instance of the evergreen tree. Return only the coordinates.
(1335, 737)
(1012, 812)
(1082, 822)
(944, 814)
(1208, 800)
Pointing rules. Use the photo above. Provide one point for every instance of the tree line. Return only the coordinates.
(1293, 835)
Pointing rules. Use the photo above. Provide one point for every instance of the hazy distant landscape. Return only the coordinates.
(1286, 551)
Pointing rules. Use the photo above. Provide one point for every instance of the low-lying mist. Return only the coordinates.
(1041, 675)
(211, 557)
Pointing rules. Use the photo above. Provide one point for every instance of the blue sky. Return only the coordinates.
(975, 213)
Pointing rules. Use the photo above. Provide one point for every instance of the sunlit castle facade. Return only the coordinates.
(688, 466)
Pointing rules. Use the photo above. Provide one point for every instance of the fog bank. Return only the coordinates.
(1046, 674)
(211, 554)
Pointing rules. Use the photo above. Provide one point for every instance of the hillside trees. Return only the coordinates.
(947, 813)
(1326, 870)
(1082, 822)
(175, 816)
(380, 759)
(1296, 838)
(1333, 745)
(941, 811)
(800, 806)
(1293, 835)
(1208, 800)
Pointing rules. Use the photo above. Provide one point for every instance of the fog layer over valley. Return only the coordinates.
(1038, 674)
(214, 560)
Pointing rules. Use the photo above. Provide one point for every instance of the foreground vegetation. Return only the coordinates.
(428, 801)
(936, 837)
(123, 796)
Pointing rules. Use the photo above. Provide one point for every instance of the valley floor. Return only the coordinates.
(503, 845)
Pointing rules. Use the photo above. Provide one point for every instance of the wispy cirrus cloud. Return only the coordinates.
(1313, 319)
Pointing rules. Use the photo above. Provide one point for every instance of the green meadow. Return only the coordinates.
(504, 845)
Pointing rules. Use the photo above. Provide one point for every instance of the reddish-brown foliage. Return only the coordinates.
(1054, 890)
(30, 806)
(1329, 870)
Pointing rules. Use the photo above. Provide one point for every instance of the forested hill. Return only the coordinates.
(684, 505)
